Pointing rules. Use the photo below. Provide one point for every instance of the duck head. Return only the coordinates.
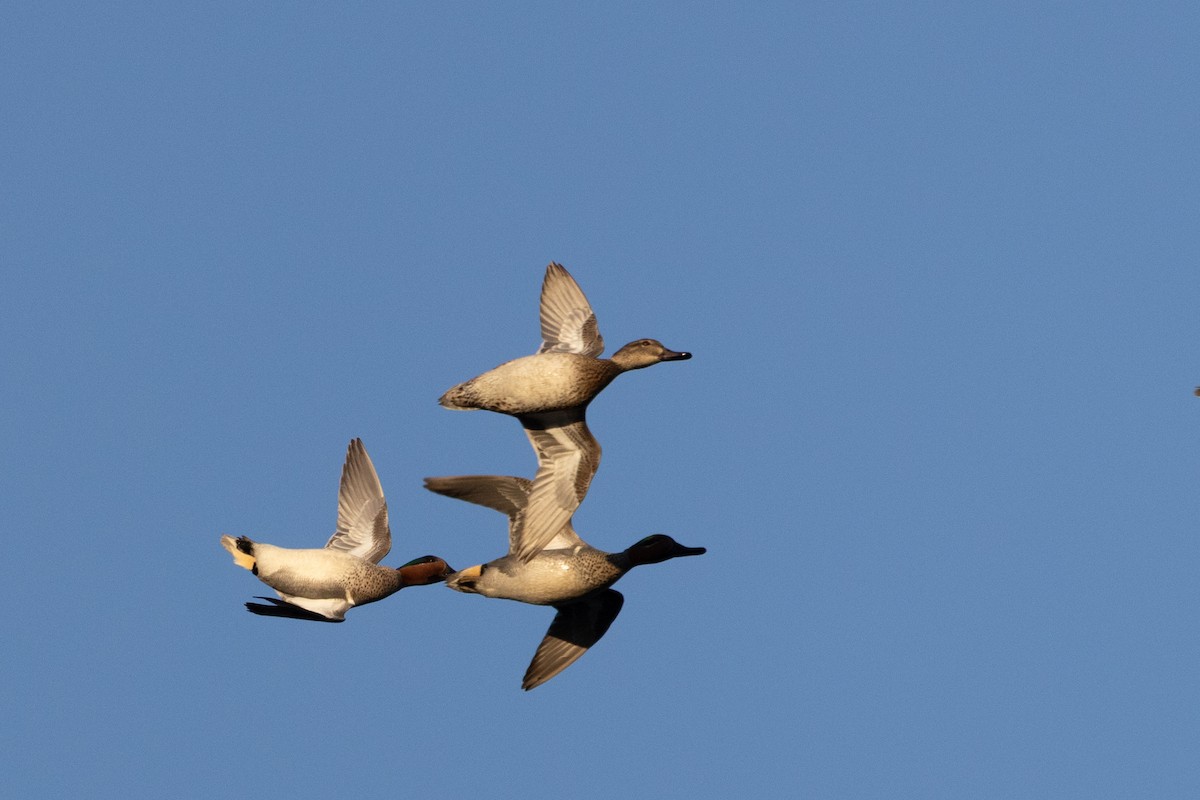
(424, 571)
(645, 353)
(658, 548)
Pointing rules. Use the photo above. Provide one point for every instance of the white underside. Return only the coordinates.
(331, 608)
(313, 579)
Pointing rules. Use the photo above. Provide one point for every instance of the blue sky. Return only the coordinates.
(938, 267)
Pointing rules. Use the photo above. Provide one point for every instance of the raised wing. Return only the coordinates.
(568, 457)
(362, 526)
(568, 322)
(575, 628)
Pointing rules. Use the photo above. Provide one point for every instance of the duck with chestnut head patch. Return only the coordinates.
(321, 585)
(549, 393)
(568, 573)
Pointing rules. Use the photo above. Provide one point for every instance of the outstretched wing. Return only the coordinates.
(568, 322)
(576, 627)
(362, 525)
(504, 493)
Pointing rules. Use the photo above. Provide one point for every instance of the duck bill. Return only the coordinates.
(673, 355)
(690, 551)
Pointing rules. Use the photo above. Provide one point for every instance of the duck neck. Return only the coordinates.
(620, 362)
(621, 561)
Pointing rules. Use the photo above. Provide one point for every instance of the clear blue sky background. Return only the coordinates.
(938, 264)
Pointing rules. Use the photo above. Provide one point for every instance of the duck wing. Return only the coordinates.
(504, 493)
(576, 627)
(568, 322)
(568, 457)
(282, 608)
(362, 524)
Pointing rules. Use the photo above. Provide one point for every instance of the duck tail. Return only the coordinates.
(459, 398)
(242, 550)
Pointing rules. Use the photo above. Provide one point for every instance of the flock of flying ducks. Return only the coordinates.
(547, 561)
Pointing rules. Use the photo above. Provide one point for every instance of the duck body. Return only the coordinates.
(330, 582)
(550, 578)
(323, 584)
(320, 573)
(535, 384)
(553, 380)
